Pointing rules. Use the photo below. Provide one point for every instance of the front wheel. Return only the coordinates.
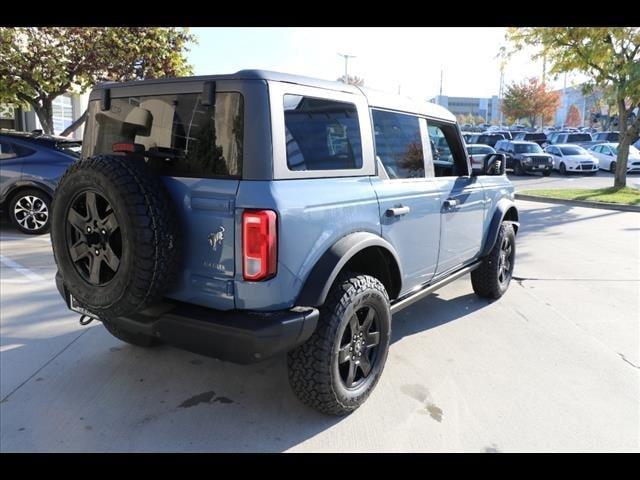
(612, 167)
(517, 169)
(491, 279)
(546, 173)
(336, 370)
(29, 211)
(563, 169)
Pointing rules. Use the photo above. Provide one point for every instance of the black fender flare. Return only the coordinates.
(319, 281)
(504, 208)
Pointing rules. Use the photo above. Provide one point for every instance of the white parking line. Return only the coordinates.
(20, 269)
(44, 239)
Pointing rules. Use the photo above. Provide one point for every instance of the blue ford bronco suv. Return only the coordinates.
(241, 216)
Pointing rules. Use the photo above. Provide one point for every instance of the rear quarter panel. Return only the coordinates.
(312, 215)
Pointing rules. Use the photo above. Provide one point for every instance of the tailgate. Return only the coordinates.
(206, 211)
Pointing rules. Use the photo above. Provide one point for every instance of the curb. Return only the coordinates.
(579, 203)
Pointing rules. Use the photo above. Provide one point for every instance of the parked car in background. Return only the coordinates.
(507, 134)
(572, 158)
(606, 137)
(539, 138)
(525, 157)
(575, 138)
(30, 167)
(477, 152)
(606, 153)
(637, 144)
(467, 136)
(486, 138)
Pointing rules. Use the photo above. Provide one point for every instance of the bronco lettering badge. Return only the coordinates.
(216, 239)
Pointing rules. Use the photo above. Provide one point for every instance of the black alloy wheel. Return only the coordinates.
(94, 238)
(505, 261)
(358, 350)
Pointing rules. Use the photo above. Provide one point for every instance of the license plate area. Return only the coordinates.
(74, 306)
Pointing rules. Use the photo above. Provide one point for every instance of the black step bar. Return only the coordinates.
(428, 289)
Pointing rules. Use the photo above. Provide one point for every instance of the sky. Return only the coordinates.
(408, 60)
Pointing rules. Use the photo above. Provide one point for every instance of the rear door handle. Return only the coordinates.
(450, 203)
(397, 211)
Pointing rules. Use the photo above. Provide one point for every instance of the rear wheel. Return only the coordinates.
(491, 279)
(29, 211)
(336, 370)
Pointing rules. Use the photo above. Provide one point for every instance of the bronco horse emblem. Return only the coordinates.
(216, 239)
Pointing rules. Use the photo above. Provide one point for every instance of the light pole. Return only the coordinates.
(346, 65)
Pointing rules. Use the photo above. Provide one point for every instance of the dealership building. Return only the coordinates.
(487, 108)
(66, 109)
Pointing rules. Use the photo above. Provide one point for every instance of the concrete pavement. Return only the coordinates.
(552, 366)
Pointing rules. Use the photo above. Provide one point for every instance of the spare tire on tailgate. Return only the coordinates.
(114, 231)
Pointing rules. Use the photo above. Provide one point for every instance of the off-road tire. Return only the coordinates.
(484, 279)
(546, 173)
(149, 233)
(137, 339)
(41, 196)
(312, 367)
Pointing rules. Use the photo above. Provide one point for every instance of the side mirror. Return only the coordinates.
(492, 164)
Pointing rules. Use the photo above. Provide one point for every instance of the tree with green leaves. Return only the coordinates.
(610, 57)
(38, 64)
(530, 99)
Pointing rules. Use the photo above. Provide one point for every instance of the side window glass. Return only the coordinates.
(449, 159)
(399, 144)
(7, 151)
(321, 134)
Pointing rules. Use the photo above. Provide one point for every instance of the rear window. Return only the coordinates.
(536, 136)
(180, 136)
(321, 134)
(527, 148)
(578, 137)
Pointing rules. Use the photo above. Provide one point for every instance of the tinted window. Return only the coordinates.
(478, 150)
(448, 156)
(527, 148)
(179, 135)
(321, 134)
(573, 151)
(7, 151)
(399, 144)
(579, 137)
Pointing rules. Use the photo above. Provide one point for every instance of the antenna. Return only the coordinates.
(346, 65)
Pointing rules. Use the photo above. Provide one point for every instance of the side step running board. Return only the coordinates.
(411, 298)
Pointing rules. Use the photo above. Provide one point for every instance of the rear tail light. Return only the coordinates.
(259, 244)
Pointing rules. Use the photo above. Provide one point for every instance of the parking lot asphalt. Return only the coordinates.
(552, 366)
(601, 179)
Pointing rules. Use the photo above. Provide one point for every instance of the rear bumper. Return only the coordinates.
(237, 336)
